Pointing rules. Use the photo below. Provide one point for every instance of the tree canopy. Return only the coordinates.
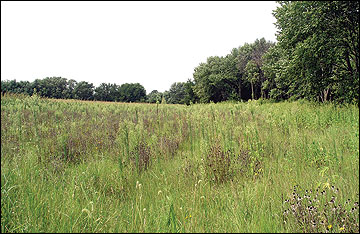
(317, 51)
(316, 57)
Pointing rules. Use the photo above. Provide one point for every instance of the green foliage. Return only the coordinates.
(316, 58)
(154, 97)
(172, 220)
(133, 92)
(73, 166)
(213, 80)
(107, 92)
(190, 96)
(16, 87)
(61, 88)
(228, 78)
(252, 72)
(84, 91)
(177, 93)
(318, 44)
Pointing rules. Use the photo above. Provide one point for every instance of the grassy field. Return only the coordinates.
(72, 166)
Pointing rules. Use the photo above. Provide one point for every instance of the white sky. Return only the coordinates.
(152, 43)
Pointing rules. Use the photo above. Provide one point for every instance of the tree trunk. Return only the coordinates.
(347, 59)
(324, 95)
(252, 90)
(239, 86)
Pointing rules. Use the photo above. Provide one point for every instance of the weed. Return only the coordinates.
(218, 163)
(320, 211)
(141, 156)
(169, 145)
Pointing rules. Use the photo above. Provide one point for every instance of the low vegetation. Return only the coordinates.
(256, 166)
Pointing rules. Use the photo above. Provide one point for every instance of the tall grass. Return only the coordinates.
(72, 166)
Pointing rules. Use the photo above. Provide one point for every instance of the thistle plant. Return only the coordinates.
(321, 211)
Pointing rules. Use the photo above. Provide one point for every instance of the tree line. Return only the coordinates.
(316, 57)
(62, 88)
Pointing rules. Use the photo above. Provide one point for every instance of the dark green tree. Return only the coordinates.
(50, 87)
(227, 78)
(107, 92)
(154, 97)
(253, 53)
(252, 72)
(272, 67)
(84, 91)
(190, 96)
(319, 41)
(69, 92)
(12, 86)
(214, 80)
(177, 93)
(132, 92)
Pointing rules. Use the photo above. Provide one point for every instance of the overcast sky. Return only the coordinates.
(151, 43)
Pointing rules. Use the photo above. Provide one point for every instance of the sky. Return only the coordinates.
(151, 43)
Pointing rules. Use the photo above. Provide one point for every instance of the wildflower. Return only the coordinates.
(313, 223)
(144, 209)
(329, 226)
(342, 229)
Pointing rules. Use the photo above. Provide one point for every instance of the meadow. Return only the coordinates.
(257, 166)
